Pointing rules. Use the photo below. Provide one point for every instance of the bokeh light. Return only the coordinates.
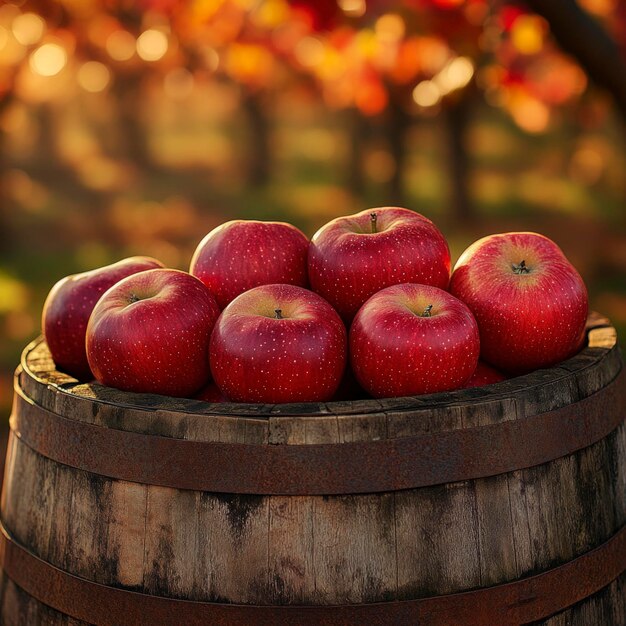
(152, 45)
(160, 119)
(48, 60)
(4, 37)
(528, 112)
(353, 8)
(120, 45)
(527, 34)
(309, 51)
(28, 28)
(587, 165)
(426, 93)
(93, 76)
(602, 8)
(455, 75)
(210, 58)
(390, 28)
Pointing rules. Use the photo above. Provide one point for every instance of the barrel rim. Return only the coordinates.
(382, 465)
(600, 341)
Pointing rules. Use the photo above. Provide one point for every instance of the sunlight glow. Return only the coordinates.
(602, 8)
(390, 28)
(527, 34)
(426, 94)
(4, 37)
(48, 60)
(309, 51)
(8, 13)
(210, 58)
(353, 8)
(13, 294)
(371, 97)
(530, 114)
(93, 76)
(587, 165)
(28, 28)
(455, 75)
(434, 53)
(120, 45)
(152, 45)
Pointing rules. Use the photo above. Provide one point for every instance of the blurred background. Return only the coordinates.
(135, 127)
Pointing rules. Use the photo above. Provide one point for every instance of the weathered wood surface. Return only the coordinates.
(319, 549)
(4, 440)
(537, 392)
(603, 608)
(17, 608)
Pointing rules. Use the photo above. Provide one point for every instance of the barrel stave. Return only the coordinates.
(358, 548)
(316, 550)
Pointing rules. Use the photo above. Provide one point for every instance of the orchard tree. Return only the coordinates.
(383, 66)
(435, 56)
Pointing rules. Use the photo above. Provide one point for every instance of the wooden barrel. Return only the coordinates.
(493, 506)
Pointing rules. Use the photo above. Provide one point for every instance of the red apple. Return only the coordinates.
(529, 301)
(484, 375)
(411, 339)
(278, 343)
(150, 333)
(351, 258)
(242, 254)
(211, 393)
(69, 304)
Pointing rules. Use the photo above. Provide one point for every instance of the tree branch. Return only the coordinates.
(578, 34)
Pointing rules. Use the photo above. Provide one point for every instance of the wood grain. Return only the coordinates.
(318, 549)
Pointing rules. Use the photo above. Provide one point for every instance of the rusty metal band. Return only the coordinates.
(321, 469)
(511, 604)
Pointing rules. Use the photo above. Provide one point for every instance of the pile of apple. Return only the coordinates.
(366, 308)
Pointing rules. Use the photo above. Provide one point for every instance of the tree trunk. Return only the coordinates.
(46, 154)
(259, 165)
(358, 131)
(456, 123)
(6, 239)
(127, 90)
(578, 34)
(398, 124)
(6, 229)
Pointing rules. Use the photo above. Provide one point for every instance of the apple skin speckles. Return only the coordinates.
(150, 333)
(70, 303)
(396, 350)
(243, 254)
(530, 317)
(348, 263)
(258, 356)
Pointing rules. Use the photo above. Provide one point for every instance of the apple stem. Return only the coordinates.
(373, 218)
(427, 311)
(133, 298)
(279, 314)
(521, 268)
